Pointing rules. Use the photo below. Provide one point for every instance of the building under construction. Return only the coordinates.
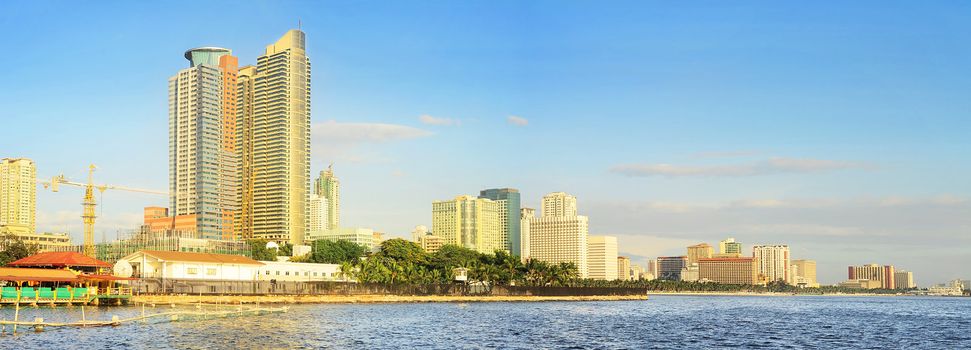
(146, 238)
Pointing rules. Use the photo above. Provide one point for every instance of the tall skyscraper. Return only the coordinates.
(318, 215)
(203, 170)
(773, 262)
(560, 235)
(729, 246)
(18, 196)
(699, 251)
(274, 99)
(509, 217)
(525, 215)
(905, 280)
(602, 257)
(329, 186)
(468, 222)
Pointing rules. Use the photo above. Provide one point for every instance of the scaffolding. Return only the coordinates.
(165, 240)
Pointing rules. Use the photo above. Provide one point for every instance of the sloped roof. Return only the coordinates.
(59, 259)
(37, 275)
(201, 257)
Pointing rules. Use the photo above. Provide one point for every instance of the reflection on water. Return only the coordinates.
(662, 322)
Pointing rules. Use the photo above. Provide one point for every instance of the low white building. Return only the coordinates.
(186, 265)
(221, 267)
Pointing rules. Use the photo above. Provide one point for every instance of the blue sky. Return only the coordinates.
(838, 128)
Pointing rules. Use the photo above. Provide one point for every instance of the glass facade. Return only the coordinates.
(509, 217)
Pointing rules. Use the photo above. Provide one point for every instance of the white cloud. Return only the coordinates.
(332, 140)
(771, 166)
(724, 154)
(430, 120)
(517, 120)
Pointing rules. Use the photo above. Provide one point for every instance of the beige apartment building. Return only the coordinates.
(602, 257)
(699, 251)
(18, 196)
(773, 262)
(805, 273)
(560, 235)
(624, 269)
(729, 270)
(469, 222)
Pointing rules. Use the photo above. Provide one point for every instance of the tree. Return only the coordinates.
(258, 250)
(336, 252)
(402, 250)
(14, 248)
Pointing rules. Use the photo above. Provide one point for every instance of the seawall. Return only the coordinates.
(364, 299)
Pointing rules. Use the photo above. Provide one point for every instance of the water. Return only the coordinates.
(664, 322)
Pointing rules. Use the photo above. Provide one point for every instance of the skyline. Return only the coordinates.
(869, 149)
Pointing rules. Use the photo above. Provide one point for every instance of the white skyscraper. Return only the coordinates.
(773, 262)
(18, 196)
(602, 257)
(318, 214)
(560, 235)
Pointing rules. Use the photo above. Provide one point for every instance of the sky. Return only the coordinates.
(838, 128)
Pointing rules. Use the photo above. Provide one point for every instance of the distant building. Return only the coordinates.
(861, 284)
(560, 235)
(361, 236)
(46, 242)
(525, 215)
(729, 246)
(773, 262)
(904, 280)
(652, 268)
(669, 267)
(328, 187)
(602, 257)
(691, 273)
(317, 221)
(624, 269)
(419, 232)
(954, 288)
(157, 219)
(805, 273)
(874, 272)
(468, 222)
(510, 217)
(18, 196)
(966, 283)
(431, 243)
(729, 270)
(699, 251)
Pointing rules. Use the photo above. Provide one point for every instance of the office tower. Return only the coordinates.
(525, 215)
(18, 196)
(773, 262)
(509, 217)
(653, 269)
(273, 130)
(699, 251)
(559, 235)
(317, 221)
(874, 272)
(805, 273)
(729, 270)
(624, 269)
(635, 272)
(468, 222)
(669, 267)
(729, 246)
(602, 257)
(203, 171)
(904, 280)
(329, 186)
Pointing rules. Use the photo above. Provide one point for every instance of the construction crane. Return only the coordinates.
(88, 215)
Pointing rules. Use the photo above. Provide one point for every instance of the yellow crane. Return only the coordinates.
(88, 215)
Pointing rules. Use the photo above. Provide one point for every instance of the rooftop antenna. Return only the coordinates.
(299, 24)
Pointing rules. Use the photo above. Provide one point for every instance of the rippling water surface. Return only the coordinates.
(664, 322)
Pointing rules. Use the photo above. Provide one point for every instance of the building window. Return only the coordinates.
(192, 271)
(211, 272)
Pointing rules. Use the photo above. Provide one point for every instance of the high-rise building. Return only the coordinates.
(328, 186)
(419, 232)
(728, 270)
(874, 272)
(904, 279)
(317, 221)
(773, 262)
(699, 251)
(623, 268)
(273, 126)
(602, 257)
(468, 222)
(559, 204)
(203, 171)
(18, 196)
(525, 215)
(653, 269)
(729, 246)
(560, 235)
(510, 227)
(804, 272)
(669, 267)
(430, 243)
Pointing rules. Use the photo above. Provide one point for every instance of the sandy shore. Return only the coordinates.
(364, 299)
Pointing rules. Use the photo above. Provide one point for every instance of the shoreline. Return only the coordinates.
(772, 294)
(364, 299)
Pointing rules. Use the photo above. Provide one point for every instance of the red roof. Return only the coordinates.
(36, 275)
(59, 259)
